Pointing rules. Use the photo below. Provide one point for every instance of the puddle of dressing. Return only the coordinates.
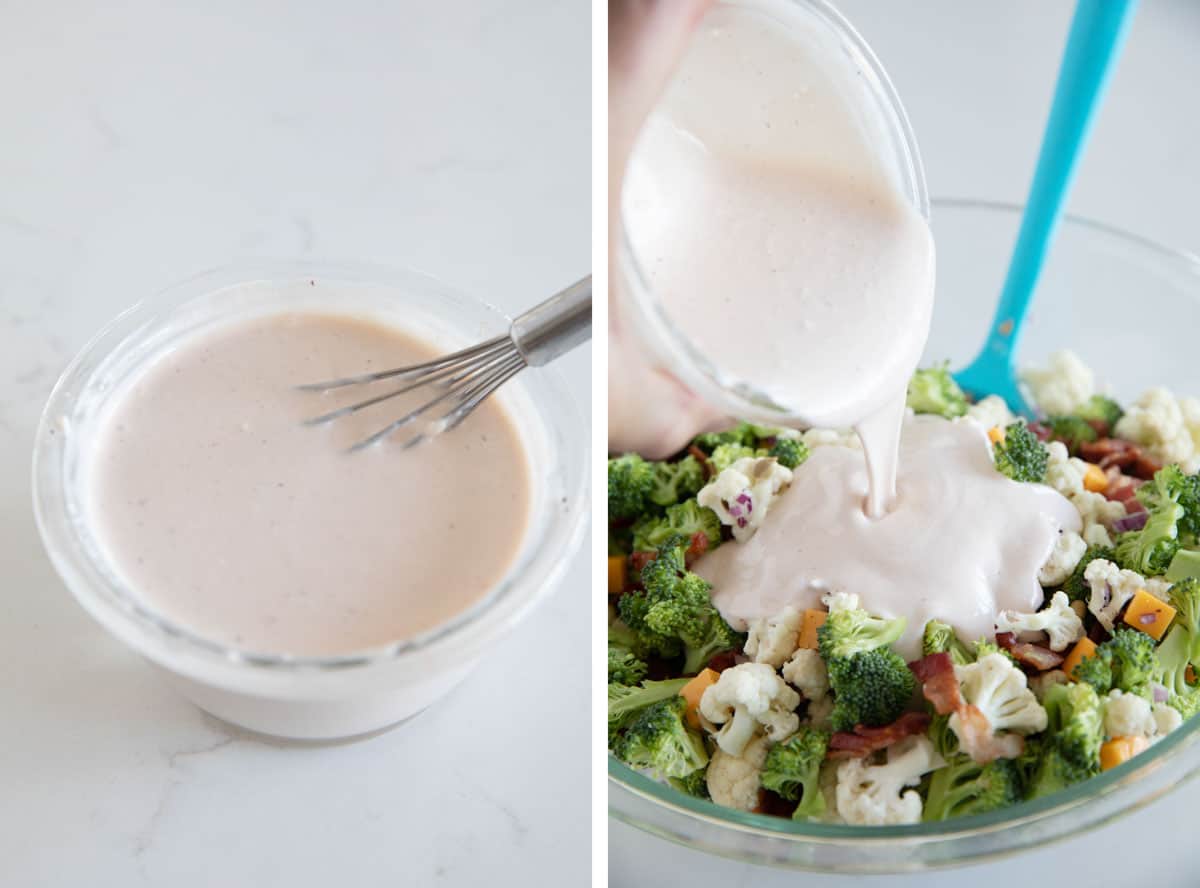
(232, 519)
(766, 219)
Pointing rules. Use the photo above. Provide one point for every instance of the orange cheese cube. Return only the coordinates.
(1094, 479)
(1147, 613)
(1083, 649)
(995, 434)
(813, 620)
(616, 574)
(1121, 749)
(694, 690)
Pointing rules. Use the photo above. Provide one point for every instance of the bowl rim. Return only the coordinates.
(537, 570)
(1123, 778)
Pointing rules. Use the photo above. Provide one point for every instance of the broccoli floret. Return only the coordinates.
(1149, 551)
(1126, 662)
(676, 481)
(744, 433)
(694, 784)
(793, 769)
(964, 787)
(673, 612)
(789, 452)
(630, 483)
(944, 740)
(1076, 586)
(658, 739)
(869, 688)
(726, 455)
(940, 638)
(933, 390)
(1171, 660)
(684, 519)
(983, 647)
(1185, 598)
(624, 667)
(1071, 430)
(625, 701)
(1020, 455)
(1100, 408)
(1069, 750)
(849, 631)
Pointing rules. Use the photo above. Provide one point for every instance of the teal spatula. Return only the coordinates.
(1097, 32)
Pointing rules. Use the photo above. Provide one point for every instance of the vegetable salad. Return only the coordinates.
(811, 714)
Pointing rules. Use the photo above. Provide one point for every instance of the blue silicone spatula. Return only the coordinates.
(1097, 33)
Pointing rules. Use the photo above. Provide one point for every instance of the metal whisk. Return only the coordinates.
(459, 382)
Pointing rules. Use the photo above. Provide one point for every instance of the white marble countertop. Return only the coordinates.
(976, 79)
(143, 144)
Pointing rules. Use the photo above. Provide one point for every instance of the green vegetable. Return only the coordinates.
(676, 481)
(1071, 430)
(793, 770)
(789, 452)
(1185, 598)
(849, 631)
(625, 701)
(685, 519)
(870, 688)
(658, 739)
(933, 390)
(940, 638)
(1186, 563)
(964, 787)
(672, 612)
(1068, 752)
(1020, 455)
(624, 667)
(1125, 662)
(1076, 586)
(1098, 407)
(1149, 551)
(743, 433)
(630, 482)
(945, 741)
(694, 784)
(983, 647)
(726, 455)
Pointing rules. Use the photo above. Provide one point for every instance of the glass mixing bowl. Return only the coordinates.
(1105, 294)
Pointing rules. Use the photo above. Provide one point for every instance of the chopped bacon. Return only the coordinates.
(1040, 658)
(696, 547)
(702, 458)
(863, 741)
(1120, 486)
(1145, 467)
(1100, 427)
(938, 682)
(722, 661)
(638, 560)
(980, 742)
(1118, 453)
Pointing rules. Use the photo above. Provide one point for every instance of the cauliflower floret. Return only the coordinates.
(1097, 513)
(1063, 472)
(874, 795)
(1156, 421)
(840, 601)
(1044, 681)
(1190, 408)
(995, 686)
(990, 412)
(1063, 386)
(806, 671)
(734, 780)
(820, 713)
(831, 438)
(746, 697)
(1057, 619)
(772, 640)
(1128, 715)
(741, 495)
(1068, 549)
(1112, 588)
(1166, 719)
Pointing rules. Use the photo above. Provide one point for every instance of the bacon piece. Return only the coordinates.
(638, 560)
(980, 742)
(697, 547)
(1144, 467)
(722, 661)
(1100, 427)
(938, 682)
(1118, 453)
(863, 741)
(1040, 658)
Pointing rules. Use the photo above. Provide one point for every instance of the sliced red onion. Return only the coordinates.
(1160, 693)
(1136, 521)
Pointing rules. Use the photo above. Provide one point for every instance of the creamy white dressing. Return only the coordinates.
(766, 218)
(962, 542)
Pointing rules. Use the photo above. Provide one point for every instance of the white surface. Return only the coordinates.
(976, 78)
(143, 145)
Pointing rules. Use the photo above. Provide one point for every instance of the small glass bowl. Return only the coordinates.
(1130, 309)
(296, 696)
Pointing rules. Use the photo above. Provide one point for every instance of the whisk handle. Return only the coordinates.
(555, 326)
